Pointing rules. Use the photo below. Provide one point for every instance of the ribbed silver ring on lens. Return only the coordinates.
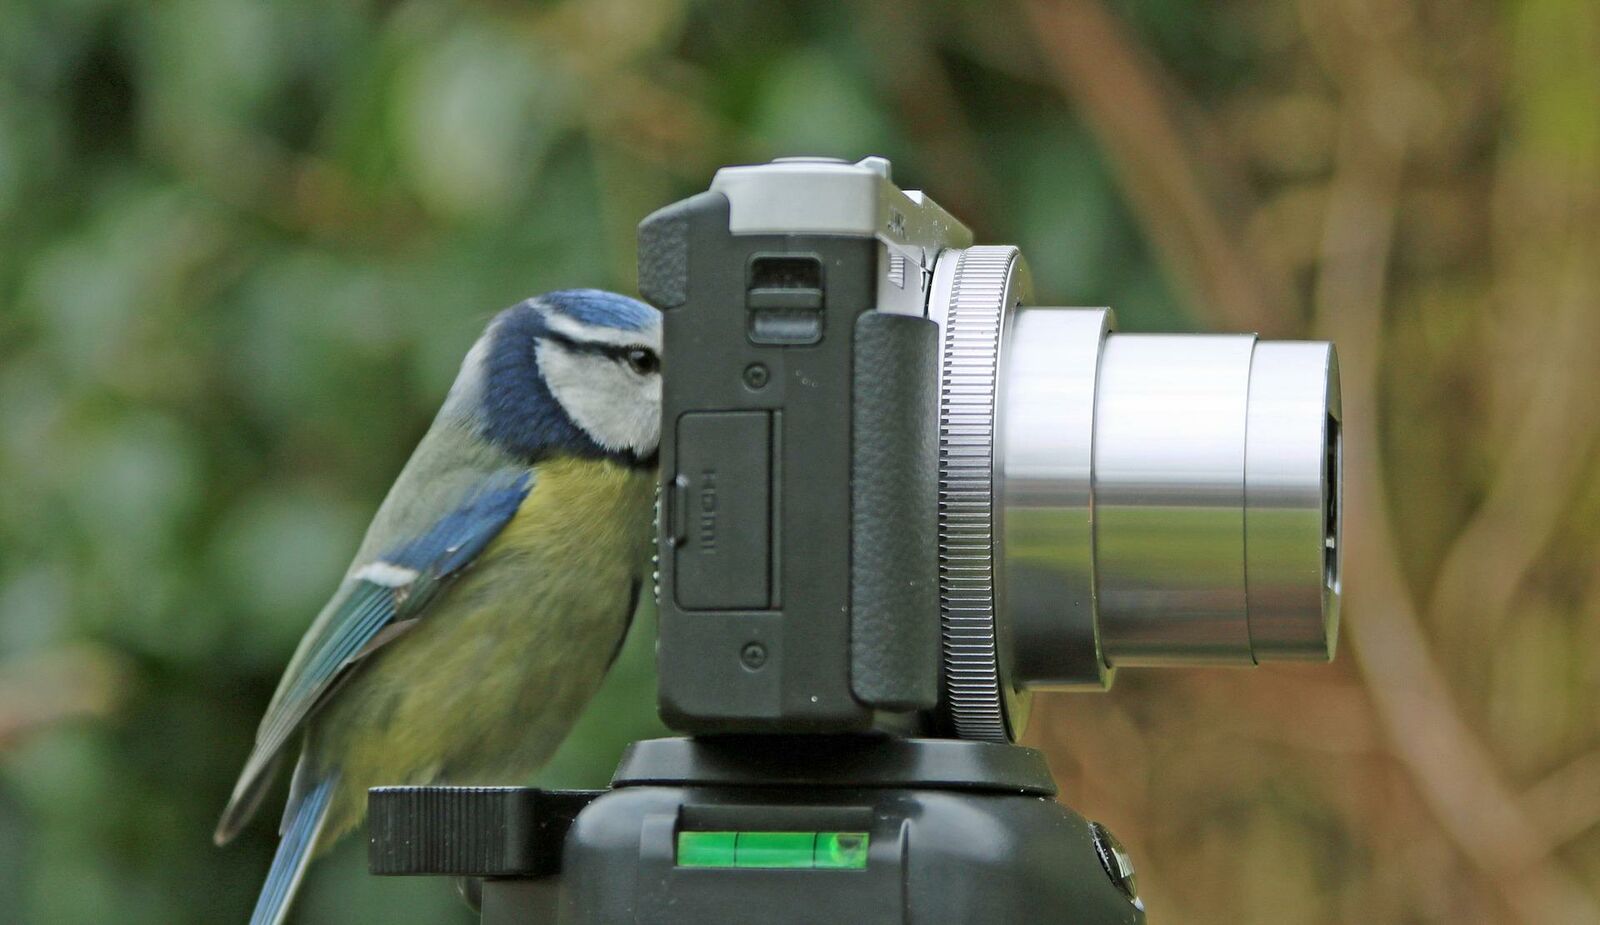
(973, 293)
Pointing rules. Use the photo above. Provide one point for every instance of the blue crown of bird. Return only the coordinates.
(492, 590)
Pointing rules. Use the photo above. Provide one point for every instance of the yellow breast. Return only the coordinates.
(577, 507)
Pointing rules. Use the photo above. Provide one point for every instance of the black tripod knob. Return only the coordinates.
(470, 831)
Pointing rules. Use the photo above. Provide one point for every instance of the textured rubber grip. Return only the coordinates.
(664, 251)
(894, 579)
(470, 831)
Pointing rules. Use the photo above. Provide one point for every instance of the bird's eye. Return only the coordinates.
(642, 361)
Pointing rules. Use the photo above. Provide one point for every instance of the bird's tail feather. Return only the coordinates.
(294, 852)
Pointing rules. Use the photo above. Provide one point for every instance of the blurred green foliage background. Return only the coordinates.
(243, 246)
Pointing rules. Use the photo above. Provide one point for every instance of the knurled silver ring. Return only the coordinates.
(973, 293)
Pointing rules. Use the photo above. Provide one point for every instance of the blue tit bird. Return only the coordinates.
(493, 588)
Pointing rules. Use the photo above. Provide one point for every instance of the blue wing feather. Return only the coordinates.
(366, 610)
(365, 607)
(436, 556)
(459, 536)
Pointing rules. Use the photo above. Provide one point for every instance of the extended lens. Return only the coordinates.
(1144, 499)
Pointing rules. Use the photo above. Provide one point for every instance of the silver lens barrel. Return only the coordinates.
(1153, 499)
(1211, 495)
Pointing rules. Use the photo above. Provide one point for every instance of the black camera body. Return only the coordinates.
(797, 582)
(894, 499)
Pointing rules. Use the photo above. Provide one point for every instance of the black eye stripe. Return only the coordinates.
(618, 352)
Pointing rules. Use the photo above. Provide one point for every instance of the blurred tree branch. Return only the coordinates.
(925, 95)
(1545, 237)
(1134, 112)
(1455, 773)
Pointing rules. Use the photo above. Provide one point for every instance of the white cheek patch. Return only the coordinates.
(603, 397)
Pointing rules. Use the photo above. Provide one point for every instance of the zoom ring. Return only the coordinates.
(967, 527)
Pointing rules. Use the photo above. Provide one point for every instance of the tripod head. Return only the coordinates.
(896, 498)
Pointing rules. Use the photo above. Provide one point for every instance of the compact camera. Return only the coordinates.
(891, 483)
